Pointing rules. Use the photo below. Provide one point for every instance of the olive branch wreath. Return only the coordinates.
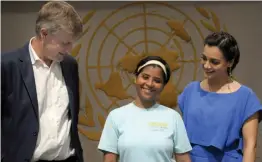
(87, 119)
(209, 14)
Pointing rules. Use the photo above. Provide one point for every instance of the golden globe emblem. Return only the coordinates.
(107, 83)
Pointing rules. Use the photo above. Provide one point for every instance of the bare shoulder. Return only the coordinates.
(235, 86)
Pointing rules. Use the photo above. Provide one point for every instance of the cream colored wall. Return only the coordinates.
(242, 19)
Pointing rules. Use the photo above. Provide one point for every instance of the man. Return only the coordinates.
(39, 91)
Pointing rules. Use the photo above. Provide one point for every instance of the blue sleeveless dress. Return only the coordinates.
(214, 121)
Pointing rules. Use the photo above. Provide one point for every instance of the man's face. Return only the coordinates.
(56, 46)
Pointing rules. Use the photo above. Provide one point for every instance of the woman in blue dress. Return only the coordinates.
(143, 130)
(220, 114)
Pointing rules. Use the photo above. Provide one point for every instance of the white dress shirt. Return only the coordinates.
(53, 142)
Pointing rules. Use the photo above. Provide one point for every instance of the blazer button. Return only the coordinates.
(34, 133)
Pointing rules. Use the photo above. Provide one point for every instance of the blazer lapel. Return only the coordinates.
(26, 70)
(68, 81)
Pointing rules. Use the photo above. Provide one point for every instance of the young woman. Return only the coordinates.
(221, 115)
(145, 131)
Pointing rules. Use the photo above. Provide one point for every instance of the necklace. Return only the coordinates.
(227, 84)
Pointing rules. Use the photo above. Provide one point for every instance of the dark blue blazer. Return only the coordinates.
(19, 107)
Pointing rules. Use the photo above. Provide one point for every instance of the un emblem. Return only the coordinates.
(113, 43)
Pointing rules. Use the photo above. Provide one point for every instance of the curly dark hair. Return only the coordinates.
(228, 46)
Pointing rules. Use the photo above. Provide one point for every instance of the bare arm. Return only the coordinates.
(110, 157)
(184, 157)
(250, 131)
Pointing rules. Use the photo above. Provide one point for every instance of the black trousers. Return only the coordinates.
(70, 159)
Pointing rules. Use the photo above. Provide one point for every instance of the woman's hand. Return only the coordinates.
(184, 157)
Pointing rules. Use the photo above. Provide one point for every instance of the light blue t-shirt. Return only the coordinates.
(144, 135)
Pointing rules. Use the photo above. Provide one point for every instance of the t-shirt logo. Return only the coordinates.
(158, 126)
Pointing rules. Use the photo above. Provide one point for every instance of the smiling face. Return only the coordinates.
(213, 62)
(55, 46)
(149, 83)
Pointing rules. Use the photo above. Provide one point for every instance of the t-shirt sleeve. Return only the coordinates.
(180, 101)
(183, 95)
(181, 141)
(253, 106)
(109, 138)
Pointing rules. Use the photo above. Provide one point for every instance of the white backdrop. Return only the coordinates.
(111, 34)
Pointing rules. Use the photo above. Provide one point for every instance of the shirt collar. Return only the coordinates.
(33, 56)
